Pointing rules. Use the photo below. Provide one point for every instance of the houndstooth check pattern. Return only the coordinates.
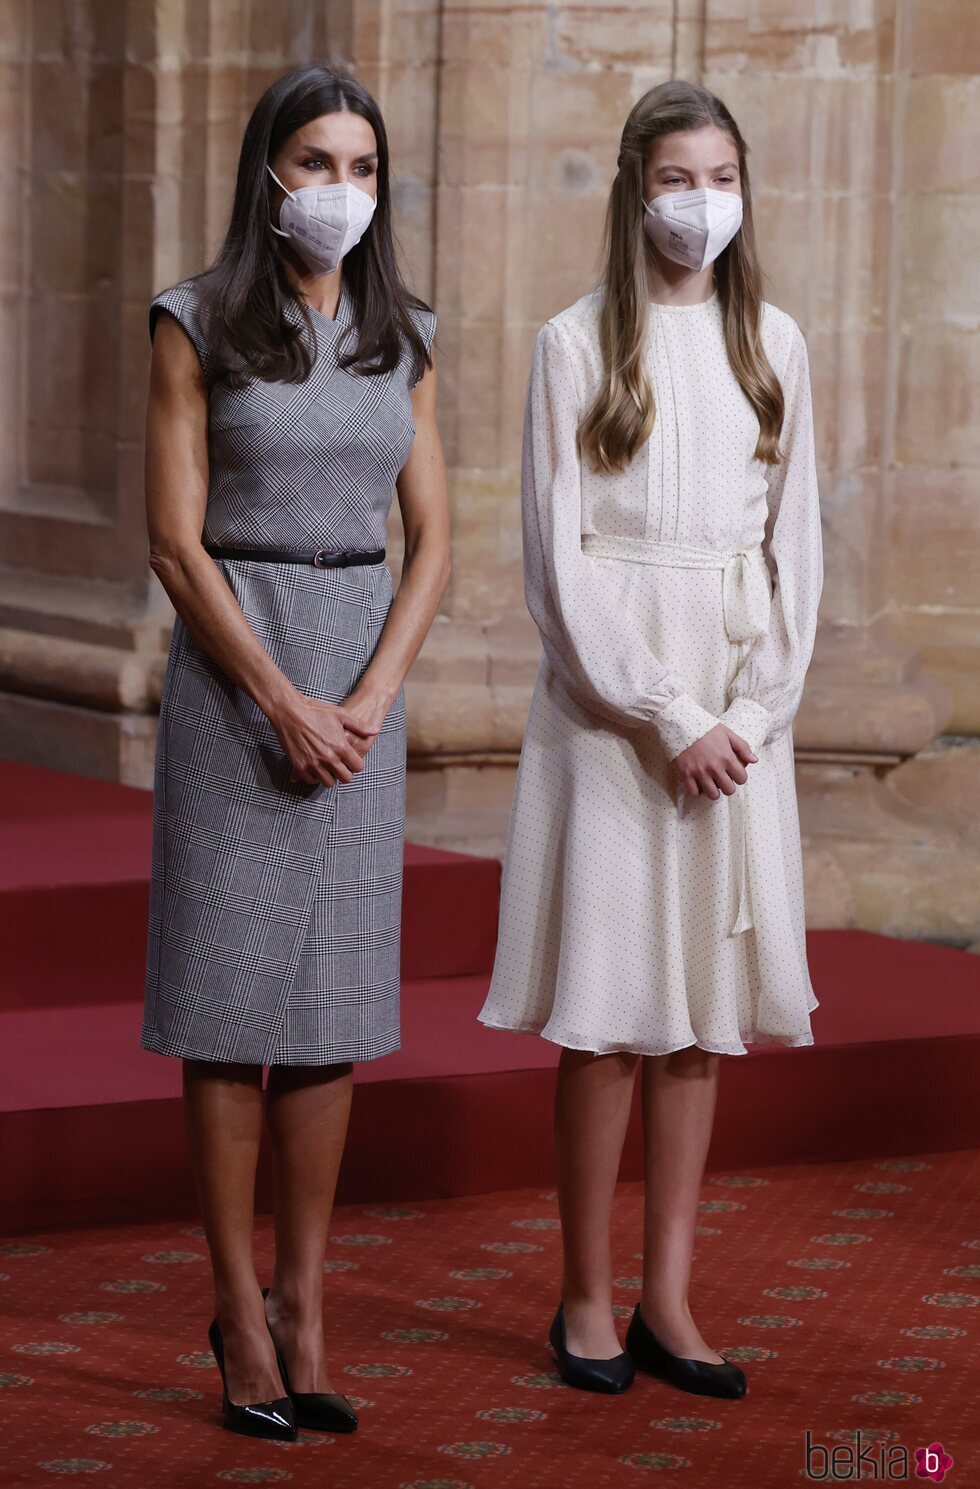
(275, 910)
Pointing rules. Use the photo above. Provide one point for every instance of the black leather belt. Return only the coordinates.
(323, 558)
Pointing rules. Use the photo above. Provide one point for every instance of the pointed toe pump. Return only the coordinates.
(317, 1411)
(700, 1377)
(274, 1419)
(609, 1376)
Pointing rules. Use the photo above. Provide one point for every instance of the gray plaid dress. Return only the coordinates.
(275, 910)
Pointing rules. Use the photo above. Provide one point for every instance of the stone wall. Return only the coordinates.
(123, 125)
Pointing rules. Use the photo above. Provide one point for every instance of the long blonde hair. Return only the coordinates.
(622, 416)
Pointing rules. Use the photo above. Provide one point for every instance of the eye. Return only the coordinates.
(364, 170)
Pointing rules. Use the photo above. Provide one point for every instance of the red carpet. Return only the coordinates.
(90, 1126)
(847, 1291)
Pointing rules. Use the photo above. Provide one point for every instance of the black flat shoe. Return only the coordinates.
(611, 1376)
(273, 1419)
(317, 1411)
(700, 1377)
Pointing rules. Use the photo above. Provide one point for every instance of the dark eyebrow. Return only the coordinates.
(325, 154)
(729, 165)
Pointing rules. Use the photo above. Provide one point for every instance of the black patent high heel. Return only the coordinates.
(274, 1419)
(317, 1411)
(610, 1376)
(700, 1377)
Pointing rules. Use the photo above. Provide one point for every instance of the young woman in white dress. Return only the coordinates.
(652, 902)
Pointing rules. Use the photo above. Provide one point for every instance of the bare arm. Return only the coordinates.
(424, 504)
(312, 733)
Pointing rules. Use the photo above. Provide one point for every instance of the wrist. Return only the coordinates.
(373, 696)
(276, 698)
(749, 720)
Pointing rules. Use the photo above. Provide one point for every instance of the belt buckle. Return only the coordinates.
(322, 557)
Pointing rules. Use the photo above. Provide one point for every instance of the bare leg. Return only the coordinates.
(593, 1095)
(679, 1093)
(223, 1115)
(308, 1108)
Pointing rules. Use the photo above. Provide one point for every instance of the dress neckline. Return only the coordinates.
(344, 317)
(673, 309)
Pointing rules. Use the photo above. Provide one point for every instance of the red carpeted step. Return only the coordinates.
(74, 889)
(90, 1126)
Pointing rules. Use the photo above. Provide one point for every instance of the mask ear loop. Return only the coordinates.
(277, 230)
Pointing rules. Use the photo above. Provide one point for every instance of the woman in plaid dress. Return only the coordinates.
(292, 392)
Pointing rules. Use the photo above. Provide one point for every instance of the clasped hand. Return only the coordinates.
(325, 742)
(715, 764)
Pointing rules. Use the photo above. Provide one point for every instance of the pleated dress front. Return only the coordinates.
(675, 594)
(275, 909)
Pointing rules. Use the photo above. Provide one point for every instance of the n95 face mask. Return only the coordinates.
(692, 227)
(323, 222)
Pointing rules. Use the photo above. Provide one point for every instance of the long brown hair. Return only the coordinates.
(621, 418)
(246, 290)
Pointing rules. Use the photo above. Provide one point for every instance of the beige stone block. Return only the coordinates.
(948, 645)
(934, 539)
(111, 747)
(497, 33)
(16, 28)
(481, 250)
(945, 779)
(939, 281)
(912, 872)
(827, 896)
(941, 135)
(801, 132)
(773, 35)
(485, 126)
(938, 412)
(515, 651)
(564, 253)
(582, 112)
(620, 35)
(13, 124)
(942, 38)
(786, 232)
(848, 383)
(851, 513)
(455, 653)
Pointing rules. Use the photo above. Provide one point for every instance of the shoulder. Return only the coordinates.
(185, 302)
(577, 327)
(425, 321)
(782, 338)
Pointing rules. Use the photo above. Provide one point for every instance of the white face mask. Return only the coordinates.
(692, 227)
(323, 222)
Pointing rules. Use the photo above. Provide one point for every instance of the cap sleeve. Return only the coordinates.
(424, 321)
(181, 300)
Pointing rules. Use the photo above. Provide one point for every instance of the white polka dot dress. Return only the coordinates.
(675, 594)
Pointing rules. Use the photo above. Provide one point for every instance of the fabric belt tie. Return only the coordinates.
(746, 604)
(746, 591)
(323, 558)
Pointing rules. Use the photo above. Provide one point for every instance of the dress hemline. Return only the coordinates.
(755, 1036)
(333, 1058)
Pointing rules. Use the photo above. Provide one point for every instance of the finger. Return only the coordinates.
(357, 726)
(340, 770)
(348, 755)
(743, 750)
